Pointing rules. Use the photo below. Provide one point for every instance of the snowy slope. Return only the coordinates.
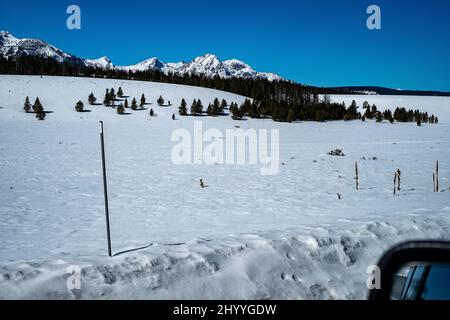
(207, 65)
(245, 236)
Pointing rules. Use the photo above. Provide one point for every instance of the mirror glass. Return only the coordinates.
(422, 281)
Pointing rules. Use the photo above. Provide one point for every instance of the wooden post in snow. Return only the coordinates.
(356, 176)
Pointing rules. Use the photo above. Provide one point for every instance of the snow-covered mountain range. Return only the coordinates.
(207, 65)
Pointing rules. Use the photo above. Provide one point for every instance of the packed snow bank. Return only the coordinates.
(319, 264)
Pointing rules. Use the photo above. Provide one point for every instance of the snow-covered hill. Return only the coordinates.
(245, 236)
(207, 65)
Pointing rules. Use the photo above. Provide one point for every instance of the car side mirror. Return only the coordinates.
(415, 270)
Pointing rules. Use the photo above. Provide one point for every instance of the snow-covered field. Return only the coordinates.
(245, 236)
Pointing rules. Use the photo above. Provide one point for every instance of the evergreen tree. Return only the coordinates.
(419, 121)
(143, 101)
(120, 109)
(210, 110)
(379, 117)
(368, 114)
(365, 104)
(182, 110)
(374, 109)
(151, 113)
(126, 104)
(92, 99)
(120, 92)
(134, 104)
(236, 112)
(194, 108)
(112, 94)
(169, 103)
(216, 107)
(246, 106)
(27, 105)
(79, 106)
(173, 116)
(363, 118)
(40, 116)
(223, 105)
(39, 109)
(291, 115)
(37, 106)
(160, 101)
(436, 120)
(107, 100)
(352, 112)
(253, 111)
(199, 107)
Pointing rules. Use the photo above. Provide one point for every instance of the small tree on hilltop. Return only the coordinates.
(27, 105)
(210, 110)
(379, 116)
(223, 104)
(79, 106)
(236, 112)
(216, 107)
(134, 104)
(39, 109)
(120, 109)
(199, 107)
(182, 110)
(193, 107)
(112, 94)
(120, 92)
(92, 99)
(160, 101)
(37, 106)
(107, 99)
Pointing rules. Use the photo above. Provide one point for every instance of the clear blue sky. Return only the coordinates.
(317, 42)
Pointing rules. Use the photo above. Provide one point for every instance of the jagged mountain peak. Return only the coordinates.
(102, 62)
(208, 65)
